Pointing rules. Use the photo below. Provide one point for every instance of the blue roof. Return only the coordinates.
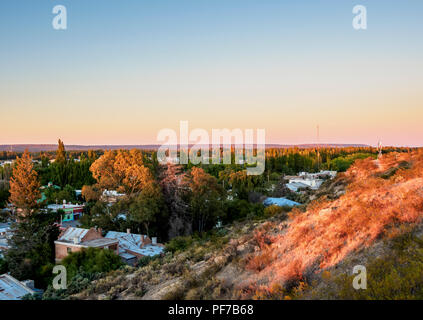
(281, 202)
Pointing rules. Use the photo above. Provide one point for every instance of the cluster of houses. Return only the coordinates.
(300, 183)
(129, 246)
(306, 180)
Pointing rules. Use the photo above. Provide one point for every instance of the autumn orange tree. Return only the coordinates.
(24, 185)
(122, 170)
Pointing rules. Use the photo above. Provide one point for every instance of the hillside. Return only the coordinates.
(374, 219)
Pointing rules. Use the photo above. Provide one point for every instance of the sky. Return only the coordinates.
(123, 70)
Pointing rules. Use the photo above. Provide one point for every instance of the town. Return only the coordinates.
(127, 203)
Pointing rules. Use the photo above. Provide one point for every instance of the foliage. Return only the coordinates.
(341, 164)
(395, 276)
(24, 185)
(4, 196)
(77, 283)
(3, 265)
(54, 195)
(145, 260)
(122, 170)
(328, 231)
(179, 244)
(147, 206)
(274, 210)
(205, 199)
(241, 209)
(91, 260)
(31, 255)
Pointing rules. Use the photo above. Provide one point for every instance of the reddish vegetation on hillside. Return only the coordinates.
(383, 194)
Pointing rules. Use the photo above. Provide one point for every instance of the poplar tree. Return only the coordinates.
(61, 152)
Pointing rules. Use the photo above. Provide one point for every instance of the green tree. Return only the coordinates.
(147, 206)
(205, 199)
(32, 255)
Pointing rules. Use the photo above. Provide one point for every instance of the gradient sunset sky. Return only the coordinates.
(125, 69)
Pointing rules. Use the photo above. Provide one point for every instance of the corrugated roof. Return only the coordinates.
(282, 202)
(126, 255)
(101, 242)
(133, 242)
(71, 233)
(12, 289)
(151, 250)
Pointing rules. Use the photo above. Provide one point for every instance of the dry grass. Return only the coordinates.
(329, 230)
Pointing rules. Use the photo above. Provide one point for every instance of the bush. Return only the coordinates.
(91, 260)
(398, 276)
(3, 266)
(178, 244)
(274, 210)
(143, 261)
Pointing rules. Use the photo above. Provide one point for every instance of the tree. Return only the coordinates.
(91, 193)
(205, 199)
(174, 187)
(24, 185)
(61, 152)
(122, 170)
(31, 255)
(148, 205)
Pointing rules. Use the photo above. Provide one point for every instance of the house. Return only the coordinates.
(295, 186)
(310, 182)
(132, 247)
(6, 162)
(75, 239)
(5, 235)
(111, 196)
(331, 174)
(71, 211)
(13, 289)
(281, 202)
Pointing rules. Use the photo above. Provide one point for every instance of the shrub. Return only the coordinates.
(397, 276)
(91, 260)
(179, 244)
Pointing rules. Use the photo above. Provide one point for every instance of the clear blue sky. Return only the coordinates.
(125, 69)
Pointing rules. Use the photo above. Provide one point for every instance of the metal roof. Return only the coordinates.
(12, 289)
(100, 242)
(133, 242)
(282, 202)
(71, 233)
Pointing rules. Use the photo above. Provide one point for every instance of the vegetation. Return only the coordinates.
(32, 255)
(91, 260)
(24, 185)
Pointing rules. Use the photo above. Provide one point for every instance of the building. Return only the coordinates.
(132, 247)
(306, 180)
(296, 186)
(331, 174)
(281, 202)
(309, 182)
(111, 196)
(5, 235)
(75, 239)
(13, 289)
(6, 162)
(71, 211)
